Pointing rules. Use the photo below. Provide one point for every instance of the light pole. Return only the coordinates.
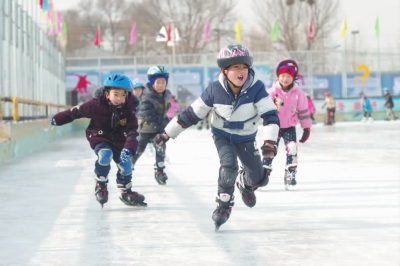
(354, 33)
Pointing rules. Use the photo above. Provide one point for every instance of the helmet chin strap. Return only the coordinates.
(233, 84)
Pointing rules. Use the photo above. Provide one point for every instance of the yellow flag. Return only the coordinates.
(237, 30)
(344, 28)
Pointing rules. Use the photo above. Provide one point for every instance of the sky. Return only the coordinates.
(360, 15)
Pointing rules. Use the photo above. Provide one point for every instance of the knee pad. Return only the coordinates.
(291, 148)
(160, 150)
(105, 156)
(227, 177)
(125, 168)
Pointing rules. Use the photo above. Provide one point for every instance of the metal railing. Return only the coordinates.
(16, 106)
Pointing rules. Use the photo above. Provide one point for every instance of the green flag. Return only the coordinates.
(377, 27)
(274, 31)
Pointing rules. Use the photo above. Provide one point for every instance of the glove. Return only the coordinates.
(161, 139)
(125, 156)
(53, 121)
(306, 135)
(269, 149)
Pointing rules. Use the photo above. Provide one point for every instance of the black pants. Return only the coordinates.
(144, 139)
(249, 156)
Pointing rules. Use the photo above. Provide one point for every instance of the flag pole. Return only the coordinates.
(379, 83)
(173, 40)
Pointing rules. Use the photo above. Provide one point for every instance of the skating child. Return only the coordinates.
(238, 100)
(367, 108)
(152, 117)
(174, 109)
(293, 107)
(112, 135)
(138, 88)
(311, 108)
(389, 106)
(330, 108)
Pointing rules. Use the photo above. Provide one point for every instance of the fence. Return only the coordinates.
(333, 69)
(31, 65)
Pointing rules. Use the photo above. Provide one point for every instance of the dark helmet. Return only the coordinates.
(289, 62)
(234, 54)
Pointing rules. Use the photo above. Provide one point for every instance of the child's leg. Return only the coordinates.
(143, 140)
(290, 140)
(104, 156)
(160, 156)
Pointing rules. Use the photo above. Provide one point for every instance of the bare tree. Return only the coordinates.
(293, 18)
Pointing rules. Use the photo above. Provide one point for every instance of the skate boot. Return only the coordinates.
(129, 197)
(224, 208)
(100, 191)
(248, 196)
(290, 178)
(160, 176)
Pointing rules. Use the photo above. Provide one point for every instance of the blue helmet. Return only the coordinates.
(136, 83)
(157, 71)
(118, 81)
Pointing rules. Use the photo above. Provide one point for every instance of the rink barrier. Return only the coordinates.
(21, 138)
(15, 105)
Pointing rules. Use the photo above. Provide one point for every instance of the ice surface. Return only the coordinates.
(345, 209)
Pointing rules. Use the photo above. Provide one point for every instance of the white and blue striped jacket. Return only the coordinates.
(236, 120)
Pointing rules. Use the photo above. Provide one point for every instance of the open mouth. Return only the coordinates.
(240, 77)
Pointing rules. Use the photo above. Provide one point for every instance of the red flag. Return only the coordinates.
(97, 37)
(310, 31)
(41, 4)
(206, 32)
(169, 32)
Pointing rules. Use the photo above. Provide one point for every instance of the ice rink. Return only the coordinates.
(345, 209)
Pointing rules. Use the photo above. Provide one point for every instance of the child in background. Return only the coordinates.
(389, 106)
(311, 108)
(174, 109)
(293, 107)
(330, 108)
(152, 118)
(112, 135)
(367, 108)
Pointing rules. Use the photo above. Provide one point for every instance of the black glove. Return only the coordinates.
(161, 139)
(268, 148)
(306, 135)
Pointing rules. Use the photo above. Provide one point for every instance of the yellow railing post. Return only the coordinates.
(1, 111)
(15, 108)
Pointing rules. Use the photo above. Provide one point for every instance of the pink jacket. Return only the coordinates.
(311, 107)
(173, 110)
(292, 106)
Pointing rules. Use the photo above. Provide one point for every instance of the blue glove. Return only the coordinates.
(125, 156)
(53, 121)
(125, 164)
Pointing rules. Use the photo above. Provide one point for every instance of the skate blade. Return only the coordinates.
(289, 187)
(131, 204)
(217, 226)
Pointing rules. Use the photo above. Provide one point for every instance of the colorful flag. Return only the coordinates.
(40, 2)
(238, 31)
(310, 31)
(58, 23)
(344, 28)
(377, 27)
(169, 33)
(45, 5)
(97, 37)
(133, 34)
(274, 31)
(206, 31)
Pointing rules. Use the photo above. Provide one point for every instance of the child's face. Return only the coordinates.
(138, 92)
(160, 85)
(117, 97)
(285, 79)
(237, 74)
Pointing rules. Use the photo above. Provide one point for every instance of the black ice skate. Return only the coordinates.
(160, 176)
(290, 178)
(129, 197)
(248, 196)
(224, 209)
(100, 191)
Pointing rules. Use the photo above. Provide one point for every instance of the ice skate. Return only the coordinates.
(370, 120)
(224, 209)
(100, 190)
(290, 178)
(248, 196)
(363, 120)
(129, 197)
(160, 176)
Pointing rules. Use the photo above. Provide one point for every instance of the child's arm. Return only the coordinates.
(70, 115)
(131, 142)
